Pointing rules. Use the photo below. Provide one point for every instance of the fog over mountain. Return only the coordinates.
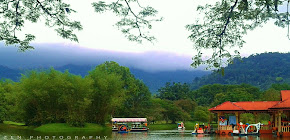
(154, 68)
(46, 55)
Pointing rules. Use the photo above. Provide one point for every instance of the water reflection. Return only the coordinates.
(150, 135)
(185, 135)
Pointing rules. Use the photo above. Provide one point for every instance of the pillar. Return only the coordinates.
(237, 117)
(276, 119)
(271, 119)
(218, 120)
(256, 115)
(279, 121)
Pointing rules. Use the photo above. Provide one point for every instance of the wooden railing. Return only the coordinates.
(285, 123)
(285, 128)
(226, 127)
(266, 127)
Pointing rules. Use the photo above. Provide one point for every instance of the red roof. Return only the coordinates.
(283, 104)
(246, 106)
(256, 105)
(285, 94)
(226, 106)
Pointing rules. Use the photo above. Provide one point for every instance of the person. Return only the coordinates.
(196, 126)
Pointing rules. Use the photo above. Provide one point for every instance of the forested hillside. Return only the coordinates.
(261, 70)
(154, 80)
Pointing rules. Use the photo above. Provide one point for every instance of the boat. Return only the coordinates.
(180, 126)
(132, 124)
(243, 130)
(198, 129)
(123, 128)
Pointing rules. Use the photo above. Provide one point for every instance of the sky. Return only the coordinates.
(100, 40)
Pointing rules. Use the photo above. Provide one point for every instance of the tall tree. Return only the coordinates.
(6, 88)
(111, 85)
(52, 96)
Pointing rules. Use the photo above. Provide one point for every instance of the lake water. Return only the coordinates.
(151, 135)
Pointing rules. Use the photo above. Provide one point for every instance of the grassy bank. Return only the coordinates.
(189, 125)
(13, 123)
(162, 126)
(63, 127)
(55, 127)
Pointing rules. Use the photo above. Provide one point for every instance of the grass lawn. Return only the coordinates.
(63, 127)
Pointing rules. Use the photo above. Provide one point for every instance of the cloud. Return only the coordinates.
(46, 55)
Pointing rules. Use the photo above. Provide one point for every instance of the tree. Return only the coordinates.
(51, 97)
(271, 95)
(133, 23)
(56, 13)
(108, 92)
(224, 24)
(6, 88)
(156, 110)
(201, 114)
(14, 14)
(174, 91)
(136, 103)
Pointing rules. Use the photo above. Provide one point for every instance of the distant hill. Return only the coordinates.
(8, 73)
(154, 80)
(261, 70)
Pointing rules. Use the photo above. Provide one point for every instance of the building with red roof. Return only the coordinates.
(274, 108)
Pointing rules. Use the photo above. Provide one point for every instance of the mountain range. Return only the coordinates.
(154, 80)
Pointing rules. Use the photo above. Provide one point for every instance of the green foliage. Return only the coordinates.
(212, 95)
(62, 127)
(137, 102)
(248, 117)
(176, 91)
(280, 86)
(6, 88)
(225, 23)
(156, 110)
(201, 114)
(52, 96)
(108, 91)
(13, 15)
(133, 23)
(271, 95)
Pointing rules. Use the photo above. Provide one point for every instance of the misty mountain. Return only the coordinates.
(8, 73)
(154, 80)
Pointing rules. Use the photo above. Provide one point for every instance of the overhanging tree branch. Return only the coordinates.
(228, 18)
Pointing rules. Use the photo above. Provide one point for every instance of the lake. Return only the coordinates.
(150, 135)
